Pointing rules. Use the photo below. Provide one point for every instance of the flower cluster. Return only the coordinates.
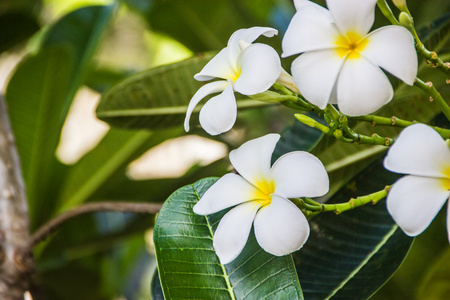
(341, 63)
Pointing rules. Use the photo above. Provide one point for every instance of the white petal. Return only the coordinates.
(303, 3)
(353, 15)
(248, 35)
(299, 174)
(281, 228)
(218, 115)
(311, 28)
(228, 191)
(260, 67)
(233, 230)
(414, 201)
(207, 89)
(419, 150)
(252, 159)
(315, 74)
(217, 67)
(392, 48)
(362, 87)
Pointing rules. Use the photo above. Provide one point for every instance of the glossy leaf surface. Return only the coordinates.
(351, 255)
(189, 268)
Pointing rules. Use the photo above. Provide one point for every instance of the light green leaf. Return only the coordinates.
(435, 285)
(189, 268)
(157, 98)
(39, 96)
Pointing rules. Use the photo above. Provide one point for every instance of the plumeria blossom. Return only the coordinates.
(245, 68)
(259, 197)
(341, 61)
(414, 200)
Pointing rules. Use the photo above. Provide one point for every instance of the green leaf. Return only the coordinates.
(35, 97)
(350, 256)
(297, 137)
(39, 96)
(113, 154)
(203, 25)
(436, 285)
(157, 98)
(189, 268)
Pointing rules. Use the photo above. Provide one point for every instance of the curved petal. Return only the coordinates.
(299, 174)
(353, 15)
(219, 113)
(248, 35)
(310, 29)
(419, 150)
(228, 191)
(392, 48)
(362, 88)
(303, 3)
(252, 159)
(260, 67)
(281, 228)
(315, 74)
(207, 89)
(414, 201)
(233, 230)
(217, 67)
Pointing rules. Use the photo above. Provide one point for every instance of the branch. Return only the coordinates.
(15, 266)
(42, 233)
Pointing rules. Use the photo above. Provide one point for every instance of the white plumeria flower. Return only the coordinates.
(414, 200)
(260, 196)
(341, 61)
(247, 69)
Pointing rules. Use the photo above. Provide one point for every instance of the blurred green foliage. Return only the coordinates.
(103, 256)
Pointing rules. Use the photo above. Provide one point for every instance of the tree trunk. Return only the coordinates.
(15, 264)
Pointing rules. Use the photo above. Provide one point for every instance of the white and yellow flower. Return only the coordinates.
(414, 200)
(245, 67)
(341, 62)
(259, 197)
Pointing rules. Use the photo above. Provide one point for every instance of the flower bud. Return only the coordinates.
(268, 96)
(406, 21)
(401, 5)
(312, 123)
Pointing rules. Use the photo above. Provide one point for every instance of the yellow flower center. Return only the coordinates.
(446, 181)
(351, 45)
(263, 192)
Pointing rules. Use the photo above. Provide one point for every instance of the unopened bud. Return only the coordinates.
(268, 96)
(286, 80)
(406, 21)
(401, 5)
(312, 123)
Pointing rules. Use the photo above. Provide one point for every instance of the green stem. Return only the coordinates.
(396, 122)
(387, 12)
(356, 202)
(434, 96)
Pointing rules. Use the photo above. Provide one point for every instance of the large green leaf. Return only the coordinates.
(189, 268)
(203, 25)
(157, 98)
(39, 96)
(350, 256)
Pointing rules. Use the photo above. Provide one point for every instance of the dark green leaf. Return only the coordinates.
(350, 256)
(297, 137)
(203, 25)
(157, 98)
(189, 267)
